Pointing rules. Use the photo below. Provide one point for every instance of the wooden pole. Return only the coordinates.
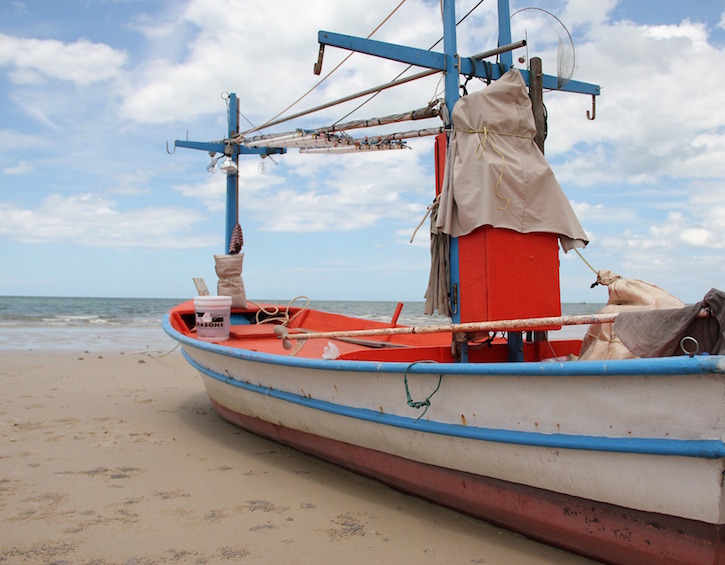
(495, 325)
(536, 93)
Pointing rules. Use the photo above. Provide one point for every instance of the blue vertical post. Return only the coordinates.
(450, 49)
(233, 179)
(515, 339)
(504, 32)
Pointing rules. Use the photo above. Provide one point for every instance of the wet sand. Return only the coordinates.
(112, 457)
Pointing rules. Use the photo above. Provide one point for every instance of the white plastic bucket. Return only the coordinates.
(212, 317)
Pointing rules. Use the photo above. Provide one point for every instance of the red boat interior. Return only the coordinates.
(253, 329)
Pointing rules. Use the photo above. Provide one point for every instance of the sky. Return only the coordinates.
(92, 91)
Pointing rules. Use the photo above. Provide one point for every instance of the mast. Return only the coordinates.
(232, 151)
(449, 62)
(504, 32)
(452, 84)
(232, 207)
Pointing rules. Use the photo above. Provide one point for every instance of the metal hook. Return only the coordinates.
(167, 148)
(593, 115)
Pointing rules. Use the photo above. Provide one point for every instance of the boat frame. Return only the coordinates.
(619, 460)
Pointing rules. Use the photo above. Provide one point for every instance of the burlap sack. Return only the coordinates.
(229, 271)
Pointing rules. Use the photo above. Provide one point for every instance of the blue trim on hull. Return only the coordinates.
(707, 449)
(664, 366)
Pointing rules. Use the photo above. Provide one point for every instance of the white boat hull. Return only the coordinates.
(617, 450)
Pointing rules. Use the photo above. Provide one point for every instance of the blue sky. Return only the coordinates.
(91, 204)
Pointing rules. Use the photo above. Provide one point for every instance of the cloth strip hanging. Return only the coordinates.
(237, 240)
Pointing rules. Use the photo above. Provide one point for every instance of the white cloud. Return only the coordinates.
(131, 183)
(587, 212)
(211, 193)
(704, 229)
(34, 61)
(586, 13)
(657, 115)
(20, 169)
(645, 176)
(266, 52)
(12, 140)
(88, 220)
(319, 193)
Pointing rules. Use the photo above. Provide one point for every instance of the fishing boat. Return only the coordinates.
(615, 455)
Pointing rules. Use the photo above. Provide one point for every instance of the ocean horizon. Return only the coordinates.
(41, 323)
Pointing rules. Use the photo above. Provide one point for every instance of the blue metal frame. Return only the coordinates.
(449, 62)
(452, 65)
(232, 200)
(232, 204)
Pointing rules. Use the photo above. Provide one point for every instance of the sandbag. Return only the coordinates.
(229, 271)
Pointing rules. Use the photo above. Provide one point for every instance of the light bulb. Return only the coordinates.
(228, 166)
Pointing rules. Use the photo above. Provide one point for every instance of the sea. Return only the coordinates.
(134, 324)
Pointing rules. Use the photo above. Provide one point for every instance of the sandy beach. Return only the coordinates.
(117, 457)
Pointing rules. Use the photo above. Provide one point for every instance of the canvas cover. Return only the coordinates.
(496, 175)
(659, 333)
(436, 296)
(625, 295)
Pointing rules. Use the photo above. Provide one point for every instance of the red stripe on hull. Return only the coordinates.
(605, 532)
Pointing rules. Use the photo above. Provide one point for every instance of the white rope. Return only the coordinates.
(274, 314)
(427, 213)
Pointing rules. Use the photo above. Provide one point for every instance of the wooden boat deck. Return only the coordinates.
(246, 333)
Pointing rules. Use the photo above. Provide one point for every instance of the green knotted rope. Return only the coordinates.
(418, 404)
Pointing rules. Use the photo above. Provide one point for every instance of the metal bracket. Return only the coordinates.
(318, 65)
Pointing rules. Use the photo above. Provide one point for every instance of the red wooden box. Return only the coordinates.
(508, 275)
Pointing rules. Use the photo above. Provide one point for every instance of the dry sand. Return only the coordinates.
(119, 458)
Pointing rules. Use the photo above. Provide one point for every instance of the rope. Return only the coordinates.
(385, 86)
(163, 354)
(586, 262)
(323, 79)
(351, 112)
(480, 151)
(274, 314)
(427, 213)
(486, 130)
(421, 403)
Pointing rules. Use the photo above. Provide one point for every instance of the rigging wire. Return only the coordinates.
(385, 86)
(560, 56)
(410, 66)
(323, 79)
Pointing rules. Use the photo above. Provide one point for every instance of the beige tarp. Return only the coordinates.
(625, 295)
(496, 175)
